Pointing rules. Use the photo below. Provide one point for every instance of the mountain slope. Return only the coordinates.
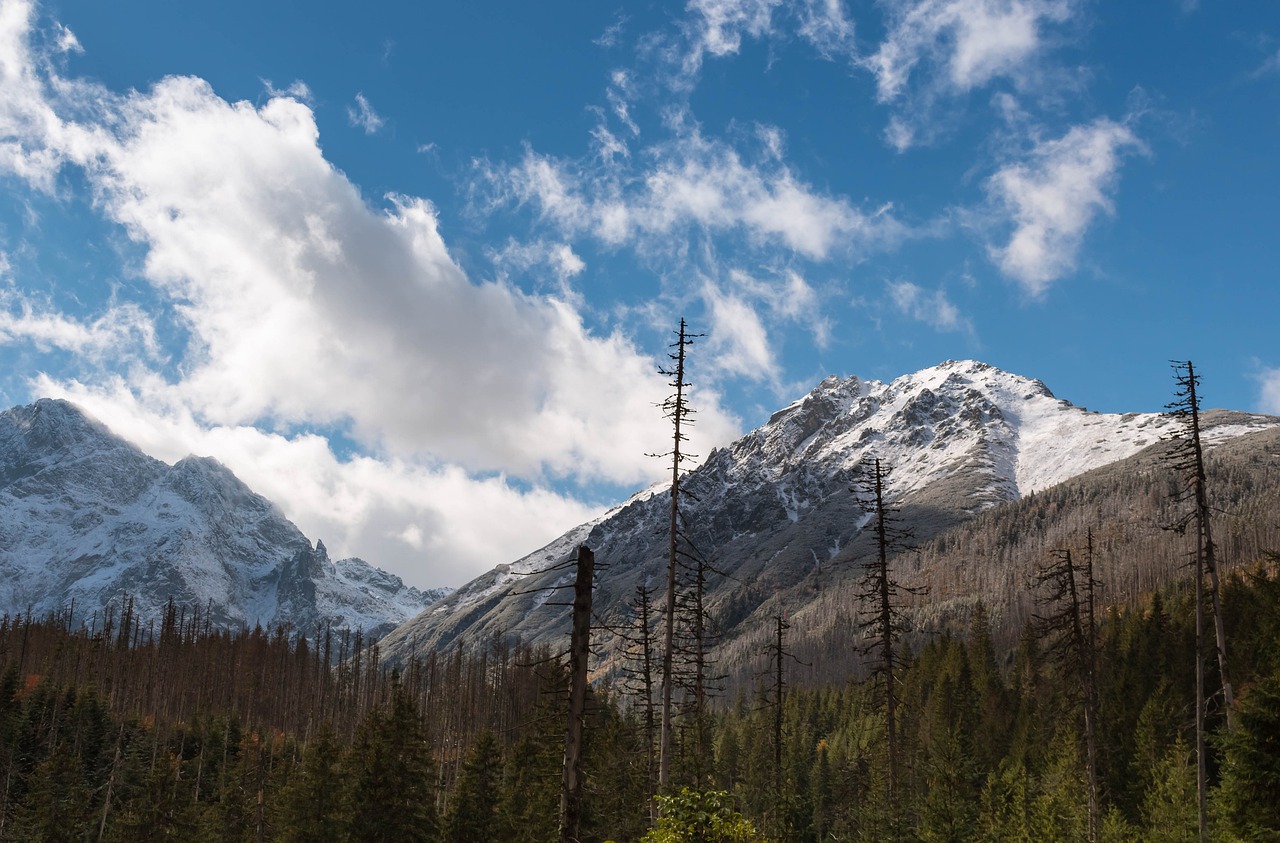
(774, 512)
(87, 517)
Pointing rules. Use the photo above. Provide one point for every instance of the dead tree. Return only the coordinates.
(693, 647)
(1187, 458)
(1070, 632)
(883, 622)
(778, 654)
(579, 650)
(638, 676)
(676, 408)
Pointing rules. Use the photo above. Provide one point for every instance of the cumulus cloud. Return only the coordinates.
(1269, 402)
(362, 116)
(308, 308)
(1053, 196)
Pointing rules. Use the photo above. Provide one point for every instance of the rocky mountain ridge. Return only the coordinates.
(87, 517)
(774, 513)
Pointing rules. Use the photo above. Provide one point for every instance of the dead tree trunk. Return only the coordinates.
(676, 408)
(579, 649)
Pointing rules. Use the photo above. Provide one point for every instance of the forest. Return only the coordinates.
(177, 731)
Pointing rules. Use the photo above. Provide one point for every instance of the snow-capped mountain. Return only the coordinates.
(87, 517)
(774, 512)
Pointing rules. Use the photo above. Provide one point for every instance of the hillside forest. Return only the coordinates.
(182, 733)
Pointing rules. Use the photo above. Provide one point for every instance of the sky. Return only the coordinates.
(410, 269)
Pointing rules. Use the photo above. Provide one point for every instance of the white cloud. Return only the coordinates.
(1269, 66)
(722, 24)
(1269, 402)
(970, 41)
(824, 24)
(937, 50)
(743, 310)
(120, 331)
(363, 116)
(34, 140)
(1054, 196)
(297, 90)
(717, 29)
(308, 309)
(687, 184)
(739, 343)
(933, 309)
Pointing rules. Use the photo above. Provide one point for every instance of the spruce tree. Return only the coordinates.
(472, 815)
(392, 797)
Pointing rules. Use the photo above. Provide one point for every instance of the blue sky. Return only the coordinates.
(409, 270)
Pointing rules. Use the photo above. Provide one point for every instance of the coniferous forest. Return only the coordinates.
(179, 731)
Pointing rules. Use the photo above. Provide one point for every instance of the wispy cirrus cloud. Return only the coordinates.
(935, 49)
(1053, 195)
(686, 184)
(362, 116)
(744, 312)
(934, 309)
(122, 329)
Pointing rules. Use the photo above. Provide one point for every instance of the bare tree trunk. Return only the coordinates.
(676, 409)
(579, 649)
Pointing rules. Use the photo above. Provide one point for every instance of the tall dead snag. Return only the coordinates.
(1187, 458)
(778, 653)
(579, 650)
(1070, 633)
(676, 408)
(884, 622)
(693, 646)
(638, 677)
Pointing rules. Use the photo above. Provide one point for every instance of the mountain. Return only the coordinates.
(87, 517)
(773, 512)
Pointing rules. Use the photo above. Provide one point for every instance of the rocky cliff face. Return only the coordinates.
(89, 518)
(773, 512)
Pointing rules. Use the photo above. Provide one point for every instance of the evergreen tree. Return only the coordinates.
(472, 815)
(1250, 789)
(311, 807)
(392, 797)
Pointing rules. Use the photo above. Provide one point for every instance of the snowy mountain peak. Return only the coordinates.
(86, 516)
(774, 507)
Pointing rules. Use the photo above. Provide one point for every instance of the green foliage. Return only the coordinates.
(1250, 791)
(311, 803)
(701, 817)
(392, 797)
(472, 816)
